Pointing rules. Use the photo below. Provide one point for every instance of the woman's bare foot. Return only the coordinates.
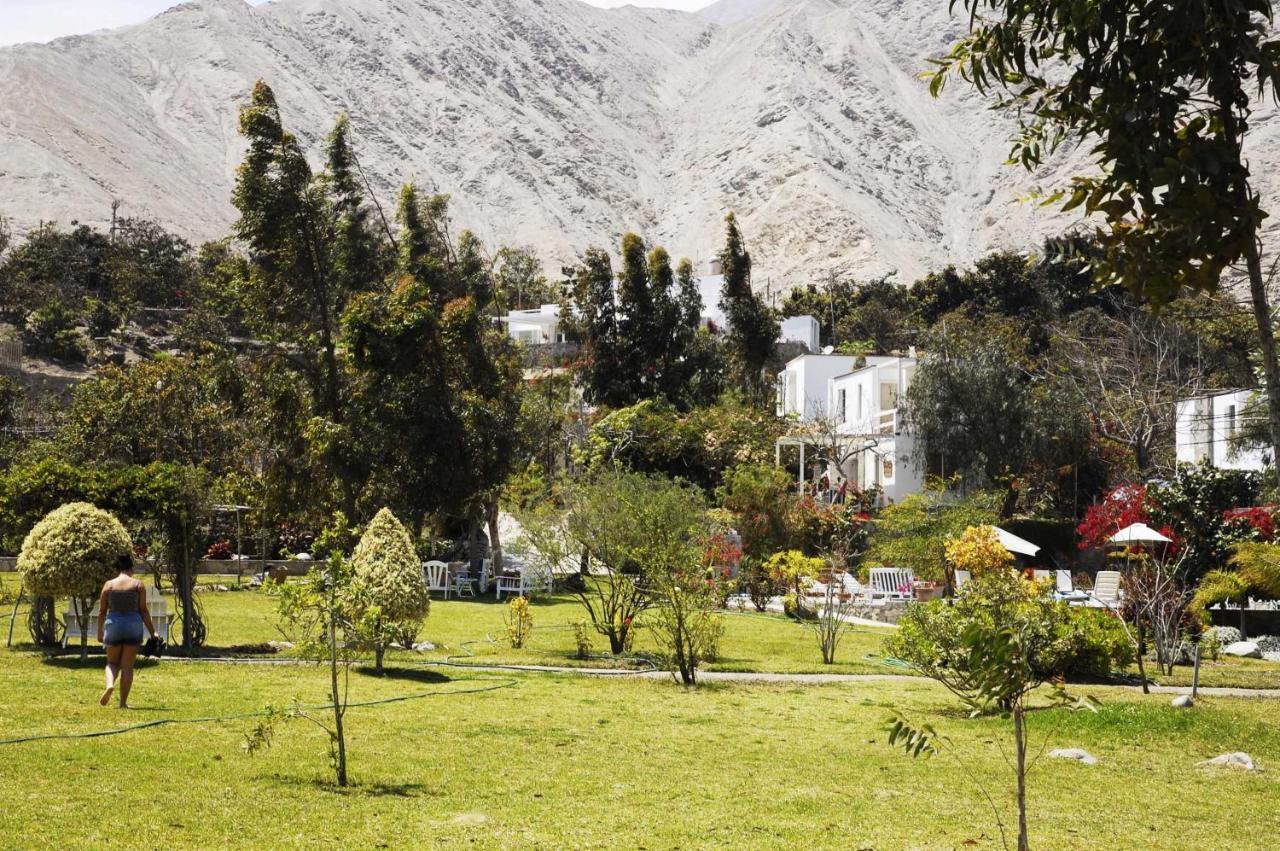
(106, 696)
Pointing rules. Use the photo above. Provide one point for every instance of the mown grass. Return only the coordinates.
(559, 761)
(473, 631)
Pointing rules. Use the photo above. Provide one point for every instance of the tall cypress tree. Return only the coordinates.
(592, 284)
(753, 331)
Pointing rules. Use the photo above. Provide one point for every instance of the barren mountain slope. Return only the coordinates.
(551, 122)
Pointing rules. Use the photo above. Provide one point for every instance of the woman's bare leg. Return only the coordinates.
(113, 671)
(129, 652)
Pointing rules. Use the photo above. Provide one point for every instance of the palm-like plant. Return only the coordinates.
(1254, 572)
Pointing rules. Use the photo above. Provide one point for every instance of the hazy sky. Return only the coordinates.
(41, 20)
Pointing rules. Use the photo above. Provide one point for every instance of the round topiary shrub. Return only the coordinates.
(71, 553)
(390, 581)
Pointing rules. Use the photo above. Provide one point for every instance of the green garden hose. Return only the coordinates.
(495, 685)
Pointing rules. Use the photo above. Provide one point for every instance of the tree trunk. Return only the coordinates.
(82, 618)
(1020, 744)
(1267, 342)
(43, 621)
(339, 736)
(1010, 502)
(1257, 283)
(1142, 671)
(495, 545)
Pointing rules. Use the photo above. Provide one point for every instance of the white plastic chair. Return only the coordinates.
(1106, 588)
(437, 574)
(527, 579)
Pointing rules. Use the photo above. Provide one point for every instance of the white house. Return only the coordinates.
(802, 385)
(536, 326)
(851, 406)
(803, 330)
(1205, 428)
(866, 411)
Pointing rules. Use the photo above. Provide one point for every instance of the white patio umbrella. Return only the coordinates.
(1014, 544)
(1139, 533)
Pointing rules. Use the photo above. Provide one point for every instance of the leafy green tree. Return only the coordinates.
(322, 615)
(1193, 501)
(311, 249)
(1000, 662)
(436, 386)
(1162, 95)
(978, 413)
(753, 331)
(518, 280)
(670, 534)
(912, 533)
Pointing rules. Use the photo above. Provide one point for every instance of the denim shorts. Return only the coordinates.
(123, 628)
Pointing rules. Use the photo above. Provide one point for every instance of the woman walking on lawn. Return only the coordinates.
(122, 613)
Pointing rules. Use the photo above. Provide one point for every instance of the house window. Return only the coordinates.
(841, 399)
(1231, 421)
(859, 403)
(888, 468)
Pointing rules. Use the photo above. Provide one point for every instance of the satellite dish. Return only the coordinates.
(827, 350)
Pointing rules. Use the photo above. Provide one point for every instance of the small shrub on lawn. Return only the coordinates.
(582, 639)
(519, 622)
(1060, 640)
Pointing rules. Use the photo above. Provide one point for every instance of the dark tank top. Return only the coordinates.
(122, 602)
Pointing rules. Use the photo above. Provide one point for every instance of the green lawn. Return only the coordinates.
(557, 761)
(462, 629)
(472, 631)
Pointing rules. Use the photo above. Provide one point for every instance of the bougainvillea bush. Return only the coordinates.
(389, 582)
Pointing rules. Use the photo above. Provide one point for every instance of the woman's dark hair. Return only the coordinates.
(124, 563)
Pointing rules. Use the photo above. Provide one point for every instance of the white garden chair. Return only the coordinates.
(71, 618)
(1106, 589)
(892, 583)
(526, 579)
(157, 607)
(437, 575)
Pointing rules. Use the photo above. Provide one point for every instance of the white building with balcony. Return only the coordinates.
(534, 327)
(1207, 430)
(847, 422)
(866, 405)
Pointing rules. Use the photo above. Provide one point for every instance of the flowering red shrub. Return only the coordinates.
(1121, 506)
(1256, 523)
